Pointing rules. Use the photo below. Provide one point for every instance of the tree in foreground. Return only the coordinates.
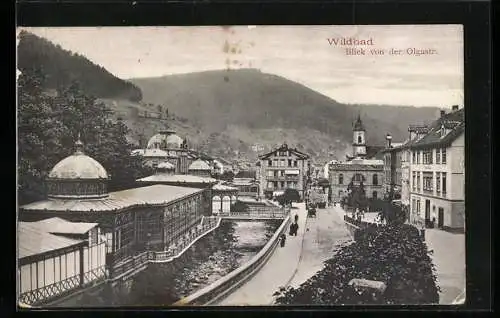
(49, 125)
(394, 255)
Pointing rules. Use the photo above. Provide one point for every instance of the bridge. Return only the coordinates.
(257, 213)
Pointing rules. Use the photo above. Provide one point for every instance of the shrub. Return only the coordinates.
(239, 206)
(394, 254)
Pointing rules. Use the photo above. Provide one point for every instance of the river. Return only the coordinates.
(206, 261)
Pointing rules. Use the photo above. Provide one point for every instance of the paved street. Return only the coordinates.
(293, 264)
(449, 258)
(324, 235)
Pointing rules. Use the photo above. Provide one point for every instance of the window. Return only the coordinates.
(413, 157)
(418, 206)
(295, 163)
(443, 156)
(418, 182)
(341, 178)
(444, 183)
(283, 162)
(428, 182)
(282, 184)
(358, 177)
(413, 206)
(438, 156)
(93, 237)
(340, 193)
(270, 173)
(289, 162)
(438, 182)
(375, 179)
(360, 140)
(275, 184)
(269, 163)
(427, 157)
(414, 181)
(374, 194)
(276, 173)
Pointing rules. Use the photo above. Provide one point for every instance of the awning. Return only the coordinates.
(294, 172)
(277, 193)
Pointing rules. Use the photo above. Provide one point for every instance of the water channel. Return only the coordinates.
(209, 259)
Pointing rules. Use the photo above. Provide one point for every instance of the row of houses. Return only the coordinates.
(427, 171)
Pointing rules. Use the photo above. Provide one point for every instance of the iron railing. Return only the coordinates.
(62, 287)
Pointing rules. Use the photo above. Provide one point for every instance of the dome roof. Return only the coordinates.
(78, 166)
(174, 141)
(77, 177)
(199, 165)
(157, 139)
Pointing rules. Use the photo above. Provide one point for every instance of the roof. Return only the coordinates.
(222, 187)
(199, 165)
(78, 166)
(153, 152)
(165, 165)
(174, 140)
(245, 174)
(285, 147)
(33, 240)
(453, 122)
(177, 178)
(358, 124)
(60, 226)
(373, 151)
(155, 195)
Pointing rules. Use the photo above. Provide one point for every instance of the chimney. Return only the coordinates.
(442, 113)
(454, 107)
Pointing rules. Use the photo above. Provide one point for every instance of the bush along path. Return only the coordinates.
(395, 255)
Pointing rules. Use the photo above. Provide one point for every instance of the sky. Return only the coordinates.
(305, 54)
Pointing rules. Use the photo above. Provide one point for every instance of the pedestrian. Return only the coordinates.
(296, 218)
(283, 240)
(295, 229)
(291, 229)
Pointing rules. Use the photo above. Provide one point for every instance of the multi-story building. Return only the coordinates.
(392, 169)
(437, 183)
(361, 167)
(283, 168)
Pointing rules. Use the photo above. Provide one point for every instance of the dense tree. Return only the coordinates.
(47, 129)
(63, 67)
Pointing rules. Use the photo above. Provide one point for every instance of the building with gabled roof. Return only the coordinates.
(437, 170)
(281, 168)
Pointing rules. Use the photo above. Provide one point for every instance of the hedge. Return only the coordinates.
(395, 255)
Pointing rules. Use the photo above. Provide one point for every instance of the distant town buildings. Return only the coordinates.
(282, 168)
(363, 167)
(167, 146)
(246, 183)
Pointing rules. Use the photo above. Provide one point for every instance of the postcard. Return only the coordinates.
(240, 166)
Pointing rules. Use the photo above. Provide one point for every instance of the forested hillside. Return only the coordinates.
(49, 125)
(62, 67)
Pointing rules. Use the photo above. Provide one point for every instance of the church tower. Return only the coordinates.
(359, 142)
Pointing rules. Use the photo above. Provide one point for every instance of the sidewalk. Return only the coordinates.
(277, 271)
(449, 258)
(327, 232)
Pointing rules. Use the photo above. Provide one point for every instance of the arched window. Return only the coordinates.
(341, 178)
(360, 140)
(375, 179)
(359, 177)
(374, 194)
